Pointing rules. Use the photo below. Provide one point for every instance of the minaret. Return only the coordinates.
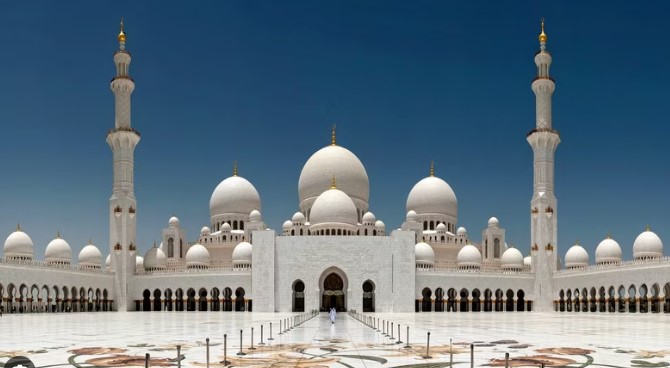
(122, 205)
(544, 140)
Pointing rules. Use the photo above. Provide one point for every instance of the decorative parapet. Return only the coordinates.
(181, 268)
(635, 263)
(54, 266)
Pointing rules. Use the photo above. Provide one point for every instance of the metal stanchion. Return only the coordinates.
(270, 339)
(427, 356)
(207, 342)
(178, 356)
(252, 340)
(261, 343)
(398, 342)
(225, 361)
(280, 330)
(241, 352)
(472, 355)
(506, 360)
(407, 346)
(451, 354)
(392, 338)
(146, 360)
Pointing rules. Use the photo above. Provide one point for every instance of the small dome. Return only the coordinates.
(608, 251)
(411, 216)
(205, 231)
(225, 227)
(255, 216)
(511, 259)
(197, 256)
(298, 218)
(469, 256)
(647, 245)
(18, 245)
(155, 259)
(493, 222)
(90, 256)
(173, 222)
(461, 231)
(424, 254)
(58, 251)
(441, 227)
(369, 218)
(242, 254)
(527, 261)
(108, 261)
(234, 195)
(379, 224)
(139, 262)
(576, 256)
(288, 224)
(432, 195)
(334, 206)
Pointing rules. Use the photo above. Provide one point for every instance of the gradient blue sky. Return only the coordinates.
(406, 82)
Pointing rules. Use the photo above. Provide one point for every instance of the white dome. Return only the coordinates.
(155, 259)
(424, 254)
(334, 206)
(469, 256)
(493, 222)
(18, 245)
(108, 260)
(608, 251)
(332, 161)
(511, 259)
(173, 222)
(205, 231)
(197, 255)
(647, 245)
(242, 254)
(139, 262)
(369, 218)
(255, 216)
(411, 216)
(225, 227)
(58, 250)
(432, 195)
(576, 256)
(527, 261)
(298, 218)
(461, 231)
(288, 224)
(441, 227)
(234, 195)
(90, 256)
(379, 224)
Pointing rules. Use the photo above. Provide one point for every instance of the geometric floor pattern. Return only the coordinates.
(531, 339)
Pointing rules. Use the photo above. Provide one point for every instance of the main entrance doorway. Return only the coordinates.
(333, 293)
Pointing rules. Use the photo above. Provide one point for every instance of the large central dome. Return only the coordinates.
(234, 195)
(432, 195)
(326, 163)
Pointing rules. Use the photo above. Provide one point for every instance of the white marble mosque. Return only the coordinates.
(334, 252)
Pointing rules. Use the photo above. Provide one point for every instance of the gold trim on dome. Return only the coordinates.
(235, 168)
(333, 137)
(333, 184)
(432, 168)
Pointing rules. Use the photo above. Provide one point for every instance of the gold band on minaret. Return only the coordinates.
(333, 140)
(122, 35)
(542, 37)
(234, 168)
(432, 168)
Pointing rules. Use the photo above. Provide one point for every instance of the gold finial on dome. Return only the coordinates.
(18, 226)
(333, 184)
(432, 168)
(609, 235)
(235, 168)
(577, 242)
(333, 138)
(154, 243)
(58, 234)
(543, 36)
(122, 35)
(90, 241)
(648, 228)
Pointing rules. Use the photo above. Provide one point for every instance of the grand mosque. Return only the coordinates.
(334, 252)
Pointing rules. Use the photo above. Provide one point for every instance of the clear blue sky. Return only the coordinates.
(406, 82)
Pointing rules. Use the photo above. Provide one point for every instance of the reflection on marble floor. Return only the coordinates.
(531, 339)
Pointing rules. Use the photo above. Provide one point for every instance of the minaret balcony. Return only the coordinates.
(549, 130)
(122, 129)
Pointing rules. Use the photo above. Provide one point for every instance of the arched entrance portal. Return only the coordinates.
(332, 293)
(298, 296)
(368, 296)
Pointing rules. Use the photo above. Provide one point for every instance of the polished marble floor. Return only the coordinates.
(123, 339)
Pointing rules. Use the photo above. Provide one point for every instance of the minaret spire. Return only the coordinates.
(544, 213)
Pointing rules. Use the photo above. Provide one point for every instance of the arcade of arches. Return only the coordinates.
(193, 300)
(622, 299)
(465, 300)
(53, 299)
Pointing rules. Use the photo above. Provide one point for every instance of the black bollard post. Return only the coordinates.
(472, 355)
(207, 342)
(252, 340)
(451, 354)
(427, 356)
(398, 342)
(383, 328)
(146, 361)
(407, 335)
(506, 360)
(225, 361)
(178, 356)
(261, 343)
(280, 330)
(392, 338)
(241, 352)
(270, 339)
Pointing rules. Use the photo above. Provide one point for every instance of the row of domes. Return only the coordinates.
(18, 245)
(647, 245)
(197, 256)
(469, 257)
